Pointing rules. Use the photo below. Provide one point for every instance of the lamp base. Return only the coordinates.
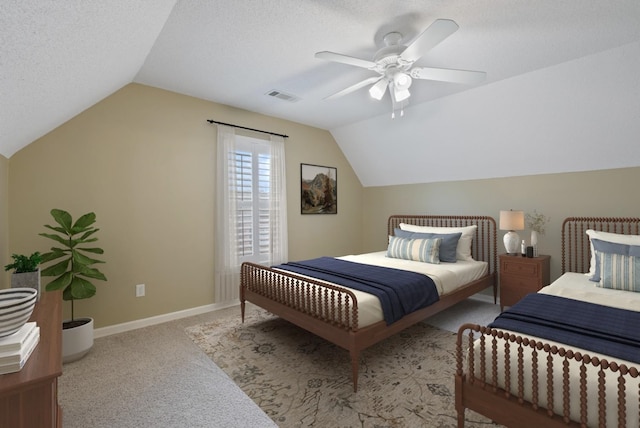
(511, 242)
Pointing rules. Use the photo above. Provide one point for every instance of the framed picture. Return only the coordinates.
(318, 189)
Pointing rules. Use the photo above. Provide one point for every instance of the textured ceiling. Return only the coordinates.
(59, 57)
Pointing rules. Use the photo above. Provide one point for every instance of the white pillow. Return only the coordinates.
(616, 238)
(463, 250)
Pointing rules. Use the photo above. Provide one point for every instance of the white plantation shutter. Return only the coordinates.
(251, 213)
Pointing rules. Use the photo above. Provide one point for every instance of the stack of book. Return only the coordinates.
(16, 349)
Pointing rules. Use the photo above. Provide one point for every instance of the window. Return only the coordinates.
(251, 207)
(251, 167)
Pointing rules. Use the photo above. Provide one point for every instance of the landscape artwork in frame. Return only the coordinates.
(318, 189)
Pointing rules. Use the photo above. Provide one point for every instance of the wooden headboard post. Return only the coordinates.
(484, 244)
(576, 251)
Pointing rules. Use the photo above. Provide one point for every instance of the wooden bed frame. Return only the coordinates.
(331, 312)
(483, 395)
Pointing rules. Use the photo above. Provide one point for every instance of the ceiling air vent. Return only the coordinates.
(283, 96)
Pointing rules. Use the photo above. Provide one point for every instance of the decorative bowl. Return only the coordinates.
(16, 306)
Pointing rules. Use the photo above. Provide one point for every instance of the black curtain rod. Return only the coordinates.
(248, 129)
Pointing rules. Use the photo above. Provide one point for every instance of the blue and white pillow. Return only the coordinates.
(619, 272)
(617, 265)
(448, 245)
(420, 250)
(463, 251)
(607, 247)
(617, 238)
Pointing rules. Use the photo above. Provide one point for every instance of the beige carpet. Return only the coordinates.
(299, 379)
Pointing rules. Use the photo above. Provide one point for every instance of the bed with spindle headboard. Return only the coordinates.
(353, 319)
(569, 354)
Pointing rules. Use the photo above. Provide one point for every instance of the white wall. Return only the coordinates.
(578, 116)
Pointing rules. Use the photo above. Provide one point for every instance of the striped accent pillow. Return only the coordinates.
(420, 250)
(619, 272)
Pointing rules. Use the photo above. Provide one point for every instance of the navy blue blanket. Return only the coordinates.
(597, 328)
(400, 292)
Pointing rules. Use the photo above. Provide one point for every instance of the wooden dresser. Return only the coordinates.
(520, 276)
(29, 398)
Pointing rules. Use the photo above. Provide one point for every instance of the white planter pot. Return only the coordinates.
(77, 341)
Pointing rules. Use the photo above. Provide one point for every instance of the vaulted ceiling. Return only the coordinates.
(58, 58)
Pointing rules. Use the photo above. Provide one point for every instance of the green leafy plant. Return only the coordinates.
(23, 264)
(536, 221)
(72, 272)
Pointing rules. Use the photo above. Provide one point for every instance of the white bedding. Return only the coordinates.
(577, 286)
(447, 277)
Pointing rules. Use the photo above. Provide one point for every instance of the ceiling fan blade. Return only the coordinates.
(345, 59)
(448, 75)
(434, 34)
(355, 87)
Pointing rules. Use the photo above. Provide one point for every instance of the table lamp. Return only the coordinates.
(511, 221)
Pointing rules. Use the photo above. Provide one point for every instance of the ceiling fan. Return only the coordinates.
(394, 65)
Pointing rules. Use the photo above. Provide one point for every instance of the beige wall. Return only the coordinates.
(143, 160)
(4, 221)
(596, 193)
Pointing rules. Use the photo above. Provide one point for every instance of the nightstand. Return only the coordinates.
(520, 276)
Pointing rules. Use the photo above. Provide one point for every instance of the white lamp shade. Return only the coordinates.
(377, 91)
(402, 81)
(400, 94)
(511, 220)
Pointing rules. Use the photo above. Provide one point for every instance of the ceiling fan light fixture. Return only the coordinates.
(394, 65)
(400, 94)
(377, 91)
(402, 81)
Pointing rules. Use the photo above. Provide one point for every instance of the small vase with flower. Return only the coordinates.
(536, 222)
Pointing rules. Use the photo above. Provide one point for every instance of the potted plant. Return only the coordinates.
(25, 271)
(73, 276)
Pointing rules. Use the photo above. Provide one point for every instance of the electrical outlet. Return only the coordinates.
(139, 290)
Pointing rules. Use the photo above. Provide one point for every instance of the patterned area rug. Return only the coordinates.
(300, 380)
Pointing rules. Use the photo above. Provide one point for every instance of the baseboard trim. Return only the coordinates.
(159, 319)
